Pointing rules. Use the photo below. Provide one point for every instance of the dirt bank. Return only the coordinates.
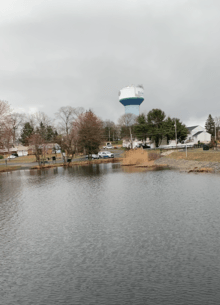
(190, 165)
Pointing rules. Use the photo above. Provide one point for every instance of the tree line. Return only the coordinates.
(155, 125)
(76, 130)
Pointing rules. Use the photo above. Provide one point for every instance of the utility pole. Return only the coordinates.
(175, 132)
(109, 134)
(215, 131)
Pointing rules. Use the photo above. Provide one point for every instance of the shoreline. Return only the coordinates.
(54, 165)
(189, 165)
(163, 162)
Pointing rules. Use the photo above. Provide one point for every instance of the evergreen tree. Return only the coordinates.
(47, 133)
(169, 129)
(41, 130)
(210, 125)
(27, 131)
(50, 133)
(141, 128)
(155, 122)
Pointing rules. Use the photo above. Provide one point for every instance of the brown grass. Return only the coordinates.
(4, 168)
(152, 155)
(196, 155)
(140, 158)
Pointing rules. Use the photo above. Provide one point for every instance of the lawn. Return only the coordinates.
(197, 155)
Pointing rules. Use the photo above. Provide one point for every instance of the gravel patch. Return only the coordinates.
(189, 165)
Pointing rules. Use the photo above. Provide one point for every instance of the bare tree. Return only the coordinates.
(67, 144)
(217, 126)
(66, 116)
(126, 121)
(5, 125)
(6, 134)
(31, 119)
(4, 110)
(89, 132)
(17, 120)
(38, 146)
(109, 130)
(41, 117)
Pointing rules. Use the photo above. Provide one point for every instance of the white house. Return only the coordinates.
(198, 133)
(136, 143)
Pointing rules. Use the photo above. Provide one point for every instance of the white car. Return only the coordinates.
(108, 147)
(11, 157)
(93, 156)
(105, 154)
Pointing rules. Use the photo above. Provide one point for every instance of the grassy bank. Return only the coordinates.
(9, 168)
(196, 155)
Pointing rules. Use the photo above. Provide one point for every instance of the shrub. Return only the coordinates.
(205, 147)
(153, 156)
(1, 157)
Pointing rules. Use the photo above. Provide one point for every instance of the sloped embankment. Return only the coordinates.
(189, 165)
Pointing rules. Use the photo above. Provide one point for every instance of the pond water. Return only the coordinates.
(102, 235)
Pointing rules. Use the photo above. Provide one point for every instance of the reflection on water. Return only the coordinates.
(139, 169)
(97, 235)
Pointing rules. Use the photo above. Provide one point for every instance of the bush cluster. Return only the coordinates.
(1, 157)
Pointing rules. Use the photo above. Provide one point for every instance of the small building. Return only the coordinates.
(197, 134)
(47, 148)
(21, 150)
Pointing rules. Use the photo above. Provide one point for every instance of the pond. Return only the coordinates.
(103, 235)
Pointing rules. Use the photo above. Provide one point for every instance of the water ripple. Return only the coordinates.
(98, 235)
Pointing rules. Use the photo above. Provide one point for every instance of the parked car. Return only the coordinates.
(105, 154)
(93, 156)
(11, 157)
(108, 147)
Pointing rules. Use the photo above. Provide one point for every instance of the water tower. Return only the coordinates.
(131, 97)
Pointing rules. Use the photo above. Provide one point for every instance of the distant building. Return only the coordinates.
(198, 133)
(20, 150)
(131, 97)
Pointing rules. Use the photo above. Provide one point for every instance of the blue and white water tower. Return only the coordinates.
(131, 97)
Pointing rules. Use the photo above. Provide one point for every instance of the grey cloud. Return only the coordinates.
(82, 57)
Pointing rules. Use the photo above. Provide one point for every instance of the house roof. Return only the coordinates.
(21, 147)
(5, 150)
(190, 128)
(196, 134)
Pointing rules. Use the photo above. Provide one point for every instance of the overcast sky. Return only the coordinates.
(81, 53)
